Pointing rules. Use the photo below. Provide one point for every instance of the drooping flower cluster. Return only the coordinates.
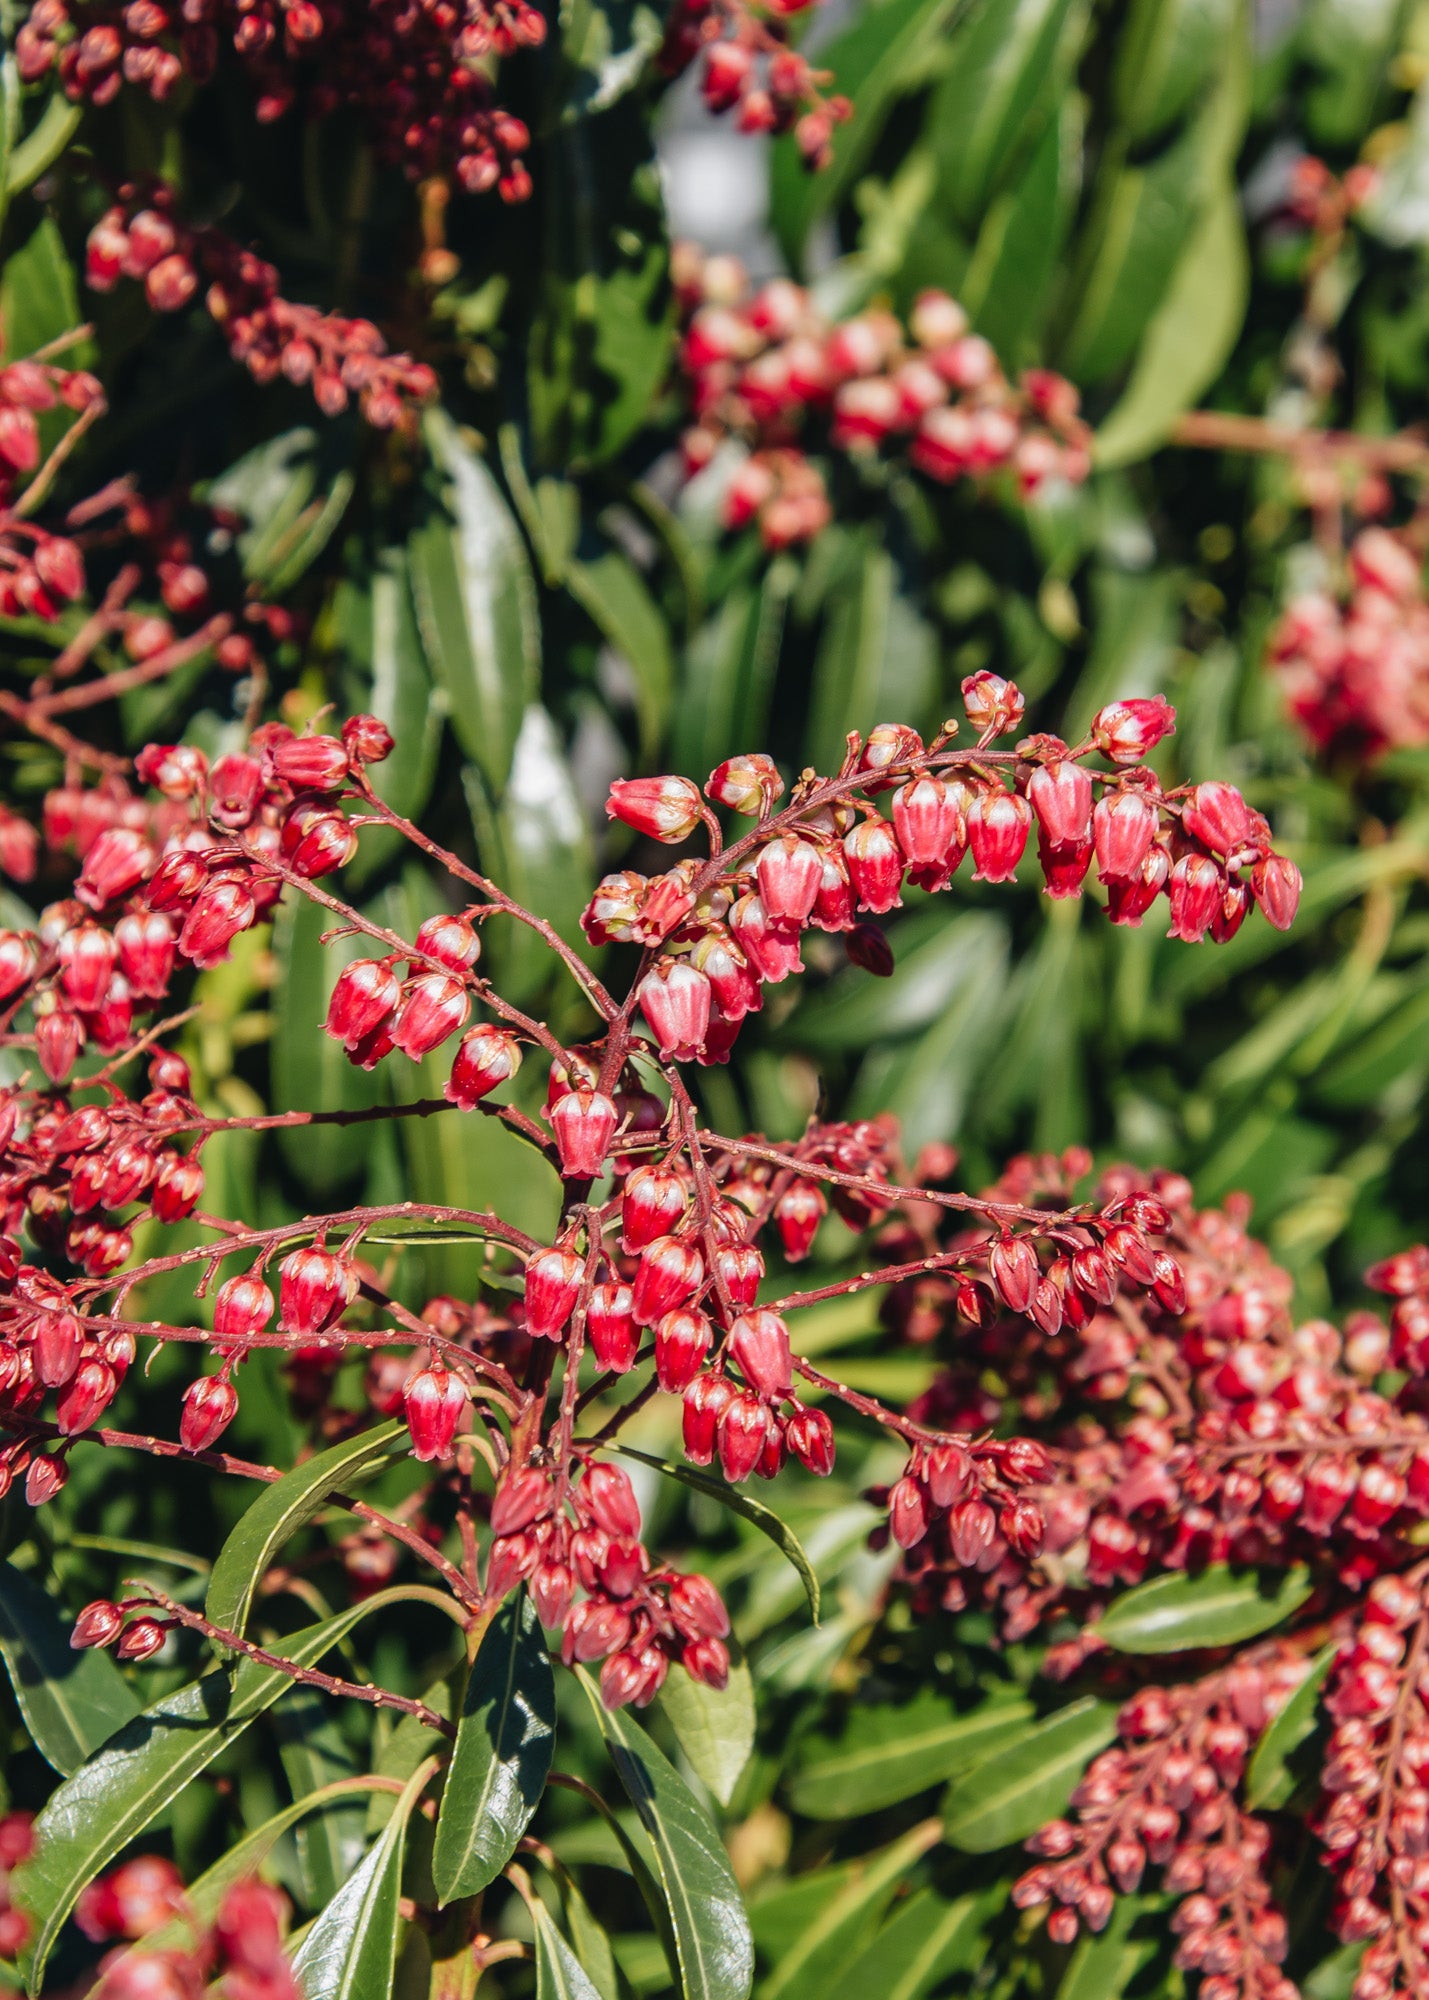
(241, 1948)
(411, 69)
(143, 238)
(1355, 664)
(749, 69)
(770, 370)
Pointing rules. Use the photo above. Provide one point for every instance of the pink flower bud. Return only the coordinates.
(759, 1346)
(1123, 828)
(223, 909)
(665, 808)
(797, 1215)
(367, 740)
(771, 949)
(452, 941)
(810, 1436)
(610, 1325)
(997, 833)
(433, 1006)
(740, 1268)
(1217, 816)
(116, 863)
(734, 987)
(210, 1405)
(1196, 889)
(315, 1289)
(99, 1624)
(1276, 883)
(743, 1430)
(706, 1400)
(521, 1499)
(675, 1000)
(607, 1492)
(143, 1637)
(235, 785)
(654, 1201)
(875, 865)
(748, 784)
(1125, 731)
(907, 1512)
(364, 996)
(84, 1398)
(57, 1346)
(553, 1282)
(310, 763)
(682, 1340)
(928, 819)
(18, 959)
(789, 872)
(242, 1306)
(59, 1037)
(146, 944)
(1060, 794)
(434, 1406)
(994, 706)
(486, 1058)
(833, 906)
(87, 958)
(584, 1123)
(671, 1270)
(1129, 900)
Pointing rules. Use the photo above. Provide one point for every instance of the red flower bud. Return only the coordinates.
(364, 996)
(654, 1202)
(434, 1406)
(675, 1000)
(706, 1400)
(85, 1397)
(875, 866)
(584, 1123)
(744, 1428)
(223, 909)
(486, 1058)
(1123, 828)
(1060, 794)
(1125, 731)
(317, 841)
(45, 1478)
(682, 1340)
(609, 1495)
(57, 1346)
(87, 956)
(740, 1268)
(1015, 1271)
(142, 1638)
(810, 1436)
(610, 1325)
(367, 740)
(1217, 816)
(242, 1306)
(116, 863)
(1276, 883)
(452, 941)
(665, 808)
(210, 1405)
(315, 1288)
(433, 1006)
(759, 1347)
(797, 1215)
(146, 944)
(997, 833)
(235, 785)
(99, 1624)
(671, 1270)
(310, 763)
(748, 784)
(772, 950)
(907, 1512)
(1196, 889)
(789, 872)
(553, 1282)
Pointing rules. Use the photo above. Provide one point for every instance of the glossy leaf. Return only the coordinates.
(317, 1755)
(714, 1726)
(291, 491)
(280, 1511)
(924, 1942)
(885, 1755)
(1104, 1965)
(713, 1945)
(124, 1786)
(816, 1961)
(350, 1953)
(506, 1738)
(71, 1702)
(764, 1518)
(307, 1066)
(559, 1973)
(614, 594)
(1271, 1780)
(475, 602)
(877, 657)
(1168, 52)
(1009, 281)
(1004, 70)
(727, 682)
(1007, 1796)
(1216, 1607)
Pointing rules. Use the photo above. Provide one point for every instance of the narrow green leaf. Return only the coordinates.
(926, 1940)
(278, 1513)
(506, 1738)
(614, 594)
(727, 681)
(350, 1953)
(559, 1973)
(877, 657)
(711, 1930)
(1271, 1779)
(1218, 1607)
(71, 1701)
(1008, 1795)
(307, 1067)
(714, 1726)
(126, 1784)
(1166, 54)
(292, 491)
(476, 602)
(1103, 1966)
(812, 1967)
(764, 1518)
(315, 1754)
(37, 152)
(885, 1755)
(999, 90)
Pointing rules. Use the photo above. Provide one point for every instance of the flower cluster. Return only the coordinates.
(241, 1948)
(143, 238)
(1165, 1797)
(411, 69)
(748, 68)
(769, 369)
(1355, 665)
(40, 572)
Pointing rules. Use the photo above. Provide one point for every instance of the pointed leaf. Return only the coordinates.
(559, 1973)
(715, 1726)
(1218, 1607)
(506, 1738)
(1010, 1794)
(615, 595)
(278, 1513)
(885, 1755)
(316, 1754)
(1271, 1779)
(126, 1785)
(925, 1940)
(764, 1518)
(712, 1937)
(998, 92)
(814, 1964)
(350, 1953)
(71, 1701)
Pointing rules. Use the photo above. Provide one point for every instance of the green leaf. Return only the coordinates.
(70, 1701)
(1167, 52)
(727, 682)
(308, 1069)
(280, 1511)
(126, 1784)
(1102, 1967)
(764, 1518)
(925, 1941)
(604, 323)
(37, 152)
(714, 1726)
(614, 594)
(1189, 339)
(1351, 43)
(1271, 1780)
(350, 1953)
(39, 299)
(476, 602)
(292, 491)
(890, 40)
(559, 1973)
(315, 1755)
(814, 1964)
(506, 1738)
(934, 957)
(1004, 73)
(887, 1754)
(877, 657)
(608, 48)
(713, 1945)
(1218, 1607)
(1007, 1796)
(1010, 276)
